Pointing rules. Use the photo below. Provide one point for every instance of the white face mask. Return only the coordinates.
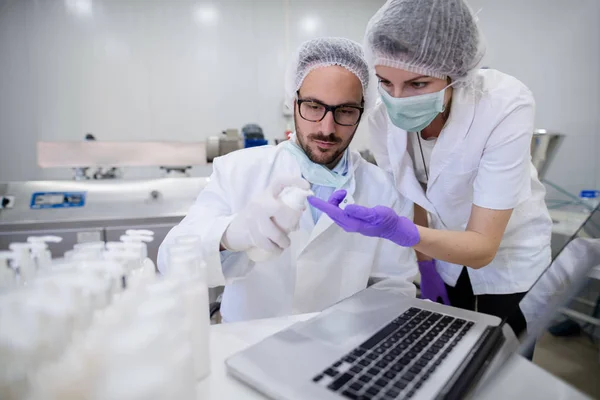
(315, 173)
(414, 113)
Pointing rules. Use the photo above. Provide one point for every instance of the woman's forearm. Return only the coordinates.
(420, 218)
(475, 247)
(468, 248)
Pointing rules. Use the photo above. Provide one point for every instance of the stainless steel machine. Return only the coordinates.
(80, 211)
(99, 206)
(85, 210)
(544, 146)
(229, 140)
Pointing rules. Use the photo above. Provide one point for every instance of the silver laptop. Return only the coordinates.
(378, 344)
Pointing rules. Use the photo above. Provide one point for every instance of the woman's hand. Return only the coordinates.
(379, 221)
(432, 285)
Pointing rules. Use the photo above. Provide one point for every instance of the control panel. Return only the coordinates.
(42, 200)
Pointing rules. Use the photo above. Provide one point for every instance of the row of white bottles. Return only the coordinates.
(95, 339)
(139, 348)
(40, 320)
(20, 264)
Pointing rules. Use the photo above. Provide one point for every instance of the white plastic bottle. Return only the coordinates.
(19, 345)
(54, 316)
(293, 197)
(187, 267)
(115, 251)
(192, 244)
(134, 237)
(186, 249)
(147, 358)
(44, 239)
(39, 249)
(41, 255)
(93, 249)
(7, 273)
(23, 262)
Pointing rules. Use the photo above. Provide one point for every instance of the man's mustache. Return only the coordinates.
(331, 138)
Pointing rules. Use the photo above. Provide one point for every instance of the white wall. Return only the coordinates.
(553, 46)
(150, 69)
(175, 70)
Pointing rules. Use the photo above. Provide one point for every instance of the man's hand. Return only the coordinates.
(260, 223)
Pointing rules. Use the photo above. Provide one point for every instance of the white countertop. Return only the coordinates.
(228, 339)
(521, 379)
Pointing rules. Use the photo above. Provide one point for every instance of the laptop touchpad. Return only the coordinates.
(336, 328)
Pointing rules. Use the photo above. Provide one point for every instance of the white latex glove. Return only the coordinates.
(263, 222)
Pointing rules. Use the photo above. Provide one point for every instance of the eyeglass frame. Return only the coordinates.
(328, 108)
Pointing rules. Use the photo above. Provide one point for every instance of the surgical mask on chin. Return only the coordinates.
(315, 174)
(414, 113)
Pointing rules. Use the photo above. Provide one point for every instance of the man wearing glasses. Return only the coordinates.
(240, 209)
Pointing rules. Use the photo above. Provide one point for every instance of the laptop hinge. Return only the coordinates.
(473, 366)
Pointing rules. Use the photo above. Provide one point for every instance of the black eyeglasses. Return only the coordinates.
(315, 111)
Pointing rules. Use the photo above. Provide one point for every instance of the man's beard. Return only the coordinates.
(325, 138)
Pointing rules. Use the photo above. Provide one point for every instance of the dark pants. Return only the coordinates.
(500, 305)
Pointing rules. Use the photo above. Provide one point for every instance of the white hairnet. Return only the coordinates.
(438, 38)
(324, 52)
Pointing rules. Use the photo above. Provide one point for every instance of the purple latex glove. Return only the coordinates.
(379, 221)
(432, 285)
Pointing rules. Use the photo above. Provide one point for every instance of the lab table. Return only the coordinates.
(520, 378)
(565, 224)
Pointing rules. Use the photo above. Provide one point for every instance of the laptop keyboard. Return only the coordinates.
(398, 359)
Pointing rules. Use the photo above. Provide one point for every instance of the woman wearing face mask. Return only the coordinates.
(456, 141)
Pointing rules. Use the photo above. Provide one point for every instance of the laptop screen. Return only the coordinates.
(550, 297)
(562, 279)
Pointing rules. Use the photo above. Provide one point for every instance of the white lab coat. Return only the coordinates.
(323, 265)
(482, 157)
(574, 262)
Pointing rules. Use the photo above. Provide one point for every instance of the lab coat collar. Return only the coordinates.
(454, 133)
(290, 166)
(354, 159)
(324, 222)
(450, 140)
